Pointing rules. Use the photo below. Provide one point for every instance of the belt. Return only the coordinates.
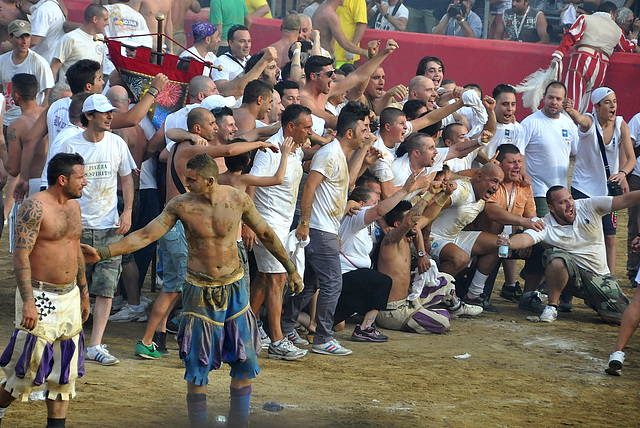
(53, 288)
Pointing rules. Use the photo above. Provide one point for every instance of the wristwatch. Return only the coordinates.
(421, 254)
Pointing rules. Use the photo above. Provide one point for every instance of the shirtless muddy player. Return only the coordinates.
(217, 317)
(52, 300)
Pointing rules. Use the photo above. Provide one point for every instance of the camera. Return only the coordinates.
(456, 9)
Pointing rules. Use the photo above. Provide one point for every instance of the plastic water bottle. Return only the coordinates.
(503, 250)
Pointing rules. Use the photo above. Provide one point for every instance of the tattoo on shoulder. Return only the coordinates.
(28, 223)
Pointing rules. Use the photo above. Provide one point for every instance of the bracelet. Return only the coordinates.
(304, 223)
(442, 200)
(624, 172)
(462, 20)
(289, 267)
(386, 15)
(153, 91)
(296, 51)
(104, 253)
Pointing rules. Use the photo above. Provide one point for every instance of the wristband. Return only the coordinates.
(462, 20)
(153, 92)
(442, 200)
(104, 253)
(304, 223)
(296, 51)
(386, 15)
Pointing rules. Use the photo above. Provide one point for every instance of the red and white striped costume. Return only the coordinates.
(595, 37)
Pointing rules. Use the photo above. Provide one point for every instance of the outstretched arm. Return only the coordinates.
(28, 224)
(582, 120)
(153, 231)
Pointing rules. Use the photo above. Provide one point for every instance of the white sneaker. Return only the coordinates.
(332, 347)
(99, 354)
(265, 341)
(616, 359)
(464, 309)
(118, 303)
(550, 314)
(296, 339)
(128, 314)
(144, 300)
(285, 350)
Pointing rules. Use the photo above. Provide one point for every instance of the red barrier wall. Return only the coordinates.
(485, 62)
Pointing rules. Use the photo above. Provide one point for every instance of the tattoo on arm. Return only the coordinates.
(410, 219)
(28, 223)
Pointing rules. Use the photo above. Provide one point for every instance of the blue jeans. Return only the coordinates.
(322, 272)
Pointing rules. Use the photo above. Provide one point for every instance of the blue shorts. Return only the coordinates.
(217, 327)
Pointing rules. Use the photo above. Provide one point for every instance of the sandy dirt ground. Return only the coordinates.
(519, 373)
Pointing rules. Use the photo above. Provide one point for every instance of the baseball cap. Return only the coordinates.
(19, 28)
(97, 102)
(200, 30)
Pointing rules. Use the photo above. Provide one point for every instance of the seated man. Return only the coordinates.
(460, 20)
(453, 247)
(513, 206)
(420, 315)
(575, 263)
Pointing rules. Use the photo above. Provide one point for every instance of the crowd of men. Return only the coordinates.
(290, 196)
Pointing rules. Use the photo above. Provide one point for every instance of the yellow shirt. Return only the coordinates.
(350, 14)
(253, 5)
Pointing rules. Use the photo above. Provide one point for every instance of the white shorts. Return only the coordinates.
(264, 259)
(465, 240)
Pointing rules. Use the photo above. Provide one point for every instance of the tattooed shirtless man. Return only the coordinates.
(218, 324)
(52, 300)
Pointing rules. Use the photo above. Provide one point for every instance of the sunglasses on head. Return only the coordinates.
(327, 73)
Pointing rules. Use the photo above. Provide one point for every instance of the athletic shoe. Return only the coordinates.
(265, 341)
(144, 300)
(118, 303)
(99, 354)
(369, 334)
(550, 314)
(481, 301)
(616, 359)
(149, 352)
(532, 303)
(332, 347)
(285, 350)
(160, 339)
(296, 339)
(128, 314)
(173, 325)
(159, 281)
(511, 293)
(466, 310)
(566, 303)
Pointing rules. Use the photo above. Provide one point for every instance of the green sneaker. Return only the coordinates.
(148, 352)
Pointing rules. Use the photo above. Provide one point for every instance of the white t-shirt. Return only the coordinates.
(356, 242)
(75, 46)
(148, 167)
(126, 21)
(230, 67)
(277, 204)
(47, 20)
(331, 195)
(177, 119)
(548, 144)
(401, 169)
(32, 64)
(583, 239)
(634, 133)
(506, 133)
(588, 173)
(102, 160)
(463, 210)
(382, 167)
(58, 117)
(461, 164)
(54, 147)
(192, 52)
(383, 24)
(317, 125)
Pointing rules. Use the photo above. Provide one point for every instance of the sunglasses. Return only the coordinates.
(327, 73)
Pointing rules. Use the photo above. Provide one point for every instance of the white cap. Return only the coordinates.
(599, 94)
(97, 102)
(215, 101)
